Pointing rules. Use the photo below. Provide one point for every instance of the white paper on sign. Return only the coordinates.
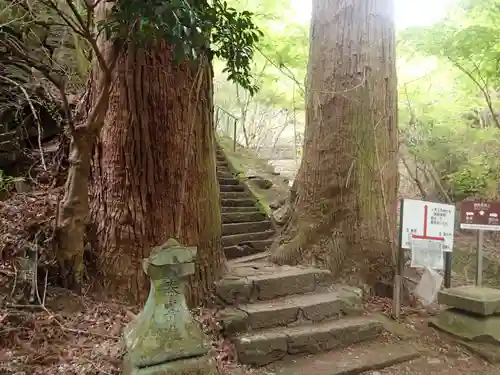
(427, 253)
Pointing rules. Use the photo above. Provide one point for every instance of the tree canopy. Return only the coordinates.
(448, 78)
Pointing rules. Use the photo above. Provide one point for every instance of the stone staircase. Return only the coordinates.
(246, 229)
(293, 320)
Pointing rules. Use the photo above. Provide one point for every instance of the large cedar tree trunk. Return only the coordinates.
(344, 199)
(154, 172)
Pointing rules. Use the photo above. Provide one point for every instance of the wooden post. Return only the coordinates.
(400, 267)
(217, 117)
(447, 269)
(479, 258)
(234, 134)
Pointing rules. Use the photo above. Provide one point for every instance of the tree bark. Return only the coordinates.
(344, 211)
(154, 173)
(73, 216)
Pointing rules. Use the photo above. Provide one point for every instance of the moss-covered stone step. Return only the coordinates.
(231, 188)
(292, 310)
(267, 346)
(247, 249)
(363, 357)
(226, 210)
(235, 194)
(250, 227)
(243, 217)
(228, 181)
(236, 239)
(224, 175)
(245, 202)
(222, 163)
(261, 281)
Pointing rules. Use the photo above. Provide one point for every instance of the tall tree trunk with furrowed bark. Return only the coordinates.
(154, 172)
(344, 210)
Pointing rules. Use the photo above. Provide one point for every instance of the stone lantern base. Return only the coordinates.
(192, 366)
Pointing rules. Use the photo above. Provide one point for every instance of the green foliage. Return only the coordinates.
(193, 27)
(449, 78)
(6, 182)
(279, 69)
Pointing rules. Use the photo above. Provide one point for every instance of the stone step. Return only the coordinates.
(235, 194)
(229, 181)
(264, 347)
(358, 359)
(250, 258)
(222, 163)
(247, 202)
(250, 227)
(262, 281)
(240, 239)
(243, 217)
(231, 188)
(226, 210)
(224, 175)
(303, 309)
(247, 248)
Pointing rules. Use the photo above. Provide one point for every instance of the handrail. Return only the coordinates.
(228, 119)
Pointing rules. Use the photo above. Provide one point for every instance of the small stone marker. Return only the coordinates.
(477, 300)
(474, 313)
(164, 338)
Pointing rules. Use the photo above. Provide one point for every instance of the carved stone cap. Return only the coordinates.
(170, 259)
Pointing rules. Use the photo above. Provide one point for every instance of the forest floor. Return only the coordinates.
(69, 334)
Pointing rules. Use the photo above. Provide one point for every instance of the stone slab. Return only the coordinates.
(264, 347)
(478, 300)
(351, 361)
(248, 227)
(236, 239)
(303, 309)
(470, 327)
(489, 352)
(262, 281)
(193, 366)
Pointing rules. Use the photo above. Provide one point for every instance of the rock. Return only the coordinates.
(281, 215)
(251, 173)
(277, 204)
(261, 182)
(470, 327)
(433, 361)
(22, 186)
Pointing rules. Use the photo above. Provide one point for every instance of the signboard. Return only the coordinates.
(480, 215)
(427, 253)
(428, 220)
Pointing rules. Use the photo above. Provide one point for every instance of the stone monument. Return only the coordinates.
(474, 317)
(164, 338)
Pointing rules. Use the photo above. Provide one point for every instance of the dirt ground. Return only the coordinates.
(441, 353)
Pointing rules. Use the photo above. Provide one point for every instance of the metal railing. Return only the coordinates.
(223, 117)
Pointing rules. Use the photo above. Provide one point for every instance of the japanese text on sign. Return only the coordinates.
(426, 253)
(429, 220)
(480, 216)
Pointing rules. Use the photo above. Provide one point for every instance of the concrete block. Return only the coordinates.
(478, 300)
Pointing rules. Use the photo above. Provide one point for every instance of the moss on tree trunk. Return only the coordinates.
(344, 211)
(154, 173)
